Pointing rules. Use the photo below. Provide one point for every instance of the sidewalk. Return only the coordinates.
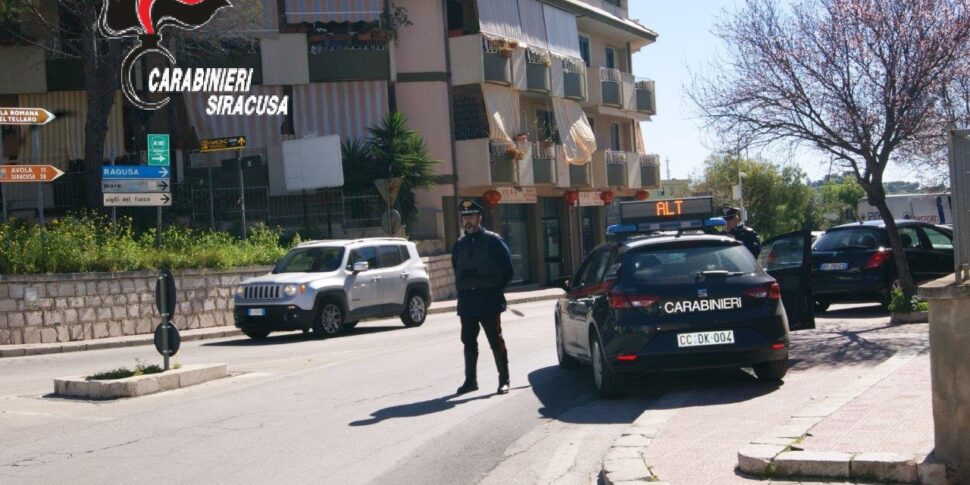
(229, 331)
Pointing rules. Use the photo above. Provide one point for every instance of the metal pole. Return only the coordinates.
(114, 210)
(40, 188)
(166, 316)
(3, 191)
(306, 219)
(158, 232)
(741, 192)
(212, 203)
(242, 194)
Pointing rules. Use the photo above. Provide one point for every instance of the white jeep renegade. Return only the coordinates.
(327, 286)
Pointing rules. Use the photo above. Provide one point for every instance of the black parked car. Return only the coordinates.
(854, 262)
(666, 302)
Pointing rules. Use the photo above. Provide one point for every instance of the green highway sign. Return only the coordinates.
(158, 151)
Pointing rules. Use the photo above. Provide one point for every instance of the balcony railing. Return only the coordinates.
(544, 163)
(646, 96)
(504, 166)
(612, 81)
(574, 76)
(649, 171)
(498, 67)
(580, 176)
(537, 70)
(616, 168)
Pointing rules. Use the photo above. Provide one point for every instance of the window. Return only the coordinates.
(909, 238)
(546, 126)
(784, 253)
(584, 49)
(681, 265)
(938, 239)
(367, 254)
(405, 255)
(610, 58)
(851, 239)
(595, 268)
(311, 260)
(390, 256)
(615, 136)
(618, 3)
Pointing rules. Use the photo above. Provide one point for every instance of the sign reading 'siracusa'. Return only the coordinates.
(25, 116)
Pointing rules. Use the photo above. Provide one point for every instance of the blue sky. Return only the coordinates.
(686, 44)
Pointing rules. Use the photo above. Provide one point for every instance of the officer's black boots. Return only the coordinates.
(502, 364)
(471, 380)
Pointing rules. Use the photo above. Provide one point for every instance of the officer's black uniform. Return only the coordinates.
(483, 268)
(743, 233)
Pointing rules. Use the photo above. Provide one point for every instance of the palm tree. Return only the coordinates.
(397, 151)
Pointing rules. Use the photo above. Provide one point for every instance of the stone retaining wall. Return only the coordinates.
(82, 306)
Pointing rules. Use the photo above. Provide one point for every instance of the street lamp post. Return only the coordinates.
(741, 176)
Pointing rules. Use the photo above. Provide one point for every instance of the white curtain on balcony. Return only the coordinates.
(578, 139)
(62, 140)
(638, 138)
(502, 106)
(533, 23)
(260, 131)
(561, 32)
(500, 18)
(347, 109)
(335, 10)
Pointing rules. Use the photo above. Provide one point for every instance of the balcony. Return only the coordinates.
(649, 171)
(580, 176)
(544, 160)
(346, 56)
(475, 60)
(646, 96)
(489, 163)
(611, 87)
(537, 68)
(614, 93)
(616, 169)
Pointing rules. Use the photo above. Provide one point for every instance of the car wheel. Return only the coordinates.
(821, 306)
(415, 310)
(772, 371)
(256, 334)
(565, 360)
(350, 325)
(330, 319)
(609, 384)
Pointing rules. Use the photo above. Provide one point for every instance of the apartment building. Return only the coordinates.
(530, 105)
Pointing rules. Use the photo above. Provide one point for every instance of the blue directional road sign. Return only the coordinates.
(134, 172)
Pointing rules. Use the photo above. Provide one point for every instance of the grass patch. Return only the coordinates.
(124, 372)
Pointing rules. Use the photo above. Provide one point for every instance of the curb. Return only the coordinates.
(626, 461)
(778, 454)
(187, 336)
(190, 375)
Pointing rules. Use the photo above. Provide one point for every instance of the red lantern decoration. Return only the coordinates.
(492, 198)
(571, 197)
(607, 196)
(643, 195)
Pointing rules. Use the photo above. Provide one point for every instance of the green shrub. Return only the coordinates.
(88, 242)
(123, 372)
(898, 303)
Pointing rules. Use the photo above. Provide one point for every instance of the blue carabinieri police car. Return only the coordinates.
(667, 292)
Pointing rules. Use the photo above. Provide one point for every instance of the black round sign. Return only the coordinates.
(174, 339)
(166, 305)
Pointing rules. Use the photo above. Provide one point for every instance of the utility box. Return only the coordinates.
(960, 190)
(313, 163)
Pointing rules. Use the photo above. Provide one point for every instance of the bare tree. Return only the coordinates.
(868, 82)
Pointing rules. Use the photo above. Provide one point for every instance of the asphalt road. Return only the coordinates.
(377, 405)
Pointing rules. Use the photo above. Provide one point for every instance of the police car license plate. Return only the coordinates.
(697, 339)
(834, 266)
(256, 312)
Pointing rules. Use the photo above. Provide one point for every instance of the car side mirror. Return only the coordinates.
(361, 266)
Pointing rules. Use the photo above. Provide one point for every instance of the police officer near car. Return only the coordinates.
(736, 229)
(483, 268)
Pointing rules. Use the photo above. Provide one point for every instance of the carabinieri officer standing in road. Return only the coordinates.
(483, 268)
(736, 229)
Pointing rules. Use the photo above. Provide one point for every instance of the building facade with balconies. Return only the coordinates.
(544, 111)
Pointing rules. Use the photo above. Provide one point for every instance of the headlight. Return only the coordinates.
(240, 291)
(289, 290)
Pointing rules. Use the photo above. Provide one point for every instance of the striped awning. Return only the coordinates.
(503, 106)
(260, 131)
(63, 139)
(347, 109)
(270, 19)
(562, 33)
(333, 10)
(533, 24)
(578, 139)
(500, 18)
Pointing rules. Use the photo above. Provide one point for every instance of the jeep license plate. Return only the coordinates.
(256, 312)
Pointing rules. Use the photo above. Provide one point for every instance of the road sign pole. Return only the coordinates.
(158, 233)
(212, 202)
(166, 314)
(242, 195)
(40, 188)
(3, 192)
(114, 210)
